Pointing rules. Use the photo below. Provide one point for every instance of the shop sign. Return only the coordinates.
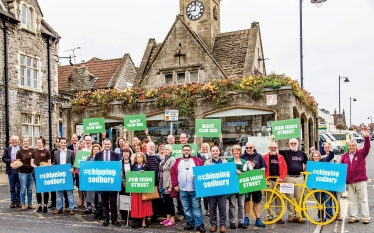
(208, 127)
(93, 125)
(239, 123)
(171, 115)
(286, 129)
(135, 122)
(271, 99)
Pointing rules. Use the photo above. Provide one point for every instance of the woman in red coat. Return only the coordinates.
(140, 209)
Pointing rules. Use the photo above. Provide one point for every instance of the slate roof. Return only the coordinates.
(103, 69)
(230, 50)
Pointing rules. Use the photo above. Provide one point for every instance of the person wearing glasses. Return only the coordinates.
(296, 160)
(182, 179)
(276, 167)
(256, 161)
(357, 178)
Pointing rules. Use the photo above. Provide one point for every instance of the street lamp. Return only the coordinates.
(346, 80)
(350, 109)
(371, 123)
(318, 3)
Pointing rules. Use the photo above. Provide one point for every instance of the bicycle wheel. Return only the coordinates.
(271, 204)
(320, 207)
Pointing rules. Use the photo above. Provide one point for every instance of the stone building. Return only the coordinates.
(195, 50)
(94, 74)
(28, 73)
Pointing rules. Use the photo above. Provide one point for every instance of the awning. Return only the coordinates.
(238, 112)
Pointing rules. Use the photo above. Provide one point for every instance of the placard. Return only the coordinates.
(177, 150)
(213, 180)
(251, 181)
(100, 176)
(287, 188)
(286, 129)
(124, 202)
(261, 144)
(81, 155)
(53, 178)
(208, 128)
(140, 182)
(135, 122)
(327, 176)
(93, 125)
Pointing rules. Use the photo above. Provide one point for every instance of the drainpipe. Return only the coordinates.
(49, 43)
(6, 84)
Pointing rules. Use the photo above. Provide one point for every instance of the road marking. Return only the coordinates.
(317, 229)
(39, 215)
(80, 218)
(5, 200)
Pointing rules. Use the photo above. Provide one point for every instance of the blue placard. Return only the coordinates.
(53, 178)
(100, 176)
(218, 179)
(327, 176)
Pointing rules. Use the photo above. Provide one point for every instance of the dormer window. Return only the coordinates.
(27, 17)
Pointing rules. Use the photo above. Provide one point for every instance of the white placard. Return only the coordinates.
(261, 144)
(171, 115)
(124, 202)
(287, 188)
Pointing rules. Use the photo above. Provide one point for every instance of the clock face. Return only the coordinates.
(195, 10)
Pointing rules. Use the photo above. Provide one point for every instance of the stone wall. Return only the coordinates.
(283, 110)
(127, 75)
(22, 99)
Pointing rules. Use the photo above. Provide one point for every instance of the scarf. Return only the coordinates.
(160, 176)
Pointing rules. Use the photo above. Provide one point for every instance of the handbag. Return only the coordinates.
(151, 196)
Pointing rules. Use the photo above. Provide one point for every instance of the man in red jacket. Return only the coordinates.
(357, 178)
(182, 179)
(276, 167)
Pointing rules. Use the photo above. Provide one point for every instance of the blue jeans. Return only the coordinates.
(15, 187)
(192, 208)
(327, 212)
(60, 195)
(26, 181)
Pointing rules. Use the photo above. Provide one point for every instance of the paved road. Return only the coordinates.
(15, 220)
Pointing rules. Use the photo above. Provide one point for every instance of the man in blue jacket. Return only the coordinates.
(8, 157)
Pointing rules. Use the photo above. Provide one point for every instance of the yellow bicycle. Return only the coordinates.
(313, 204)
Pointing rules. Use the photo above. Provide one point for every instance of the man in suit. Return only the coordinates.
(64, 156)
(108, 155)
(74, 140)
(8, 157)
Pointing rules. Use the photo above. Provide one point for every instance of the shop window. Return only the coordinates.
(169, 79)
(30, 126)
(194, 76)
(181, 78)
(29, 72)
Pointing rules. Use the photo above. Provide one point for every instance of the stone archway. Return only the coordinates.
(295, 113)
(304, 141)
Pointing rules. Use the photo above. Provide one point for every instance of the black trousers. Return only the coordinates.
(45, 197)
(169, 205)
(112, 198)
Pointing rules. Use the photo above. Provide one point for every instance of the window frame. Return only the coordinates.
(27, 17)
(29, 75)
(31, 122)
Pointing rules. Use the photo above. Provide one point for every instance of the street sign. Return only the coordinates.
(171, 115)
(271, 99)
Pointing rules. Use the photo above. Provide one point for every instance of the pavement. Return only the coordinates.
(15, 220)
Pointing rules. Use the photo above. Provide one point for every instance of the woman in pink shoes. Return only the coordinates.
(166, 187)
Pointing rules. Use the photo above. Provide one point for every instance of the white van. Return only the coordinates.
(354, 136)
(338, 148)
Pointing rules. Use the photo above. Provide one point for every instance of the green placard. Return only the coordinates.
(177, 150)
(93, 125)
(140, 182)
(252, 181)
(80, 156)
(286, 129)
(208, 127)
(135, 122)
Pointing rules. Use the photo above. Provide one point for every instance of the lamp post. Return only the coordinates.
(346, 80)
(318, 3)
(350, 109)
(371, 124)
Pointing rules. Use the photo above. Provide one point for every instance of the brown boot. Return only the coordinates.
(213, 229)
(81, 199)
(23, 207)
(222, 229)
(30, 207)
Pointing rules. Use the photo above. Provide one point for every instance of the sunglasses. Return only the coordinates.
(248, 147)
(273, 147)
(293, 143)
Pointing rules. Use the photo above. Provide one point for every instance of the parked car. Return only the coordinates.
(372, 137)
(342, 137)
(354, 135)
(336, 146)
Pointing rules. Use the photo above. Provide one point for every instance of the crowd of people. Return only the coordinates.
(175, 180)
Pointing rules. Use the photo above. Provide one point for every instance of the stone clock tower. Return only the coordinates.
(202, 17)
